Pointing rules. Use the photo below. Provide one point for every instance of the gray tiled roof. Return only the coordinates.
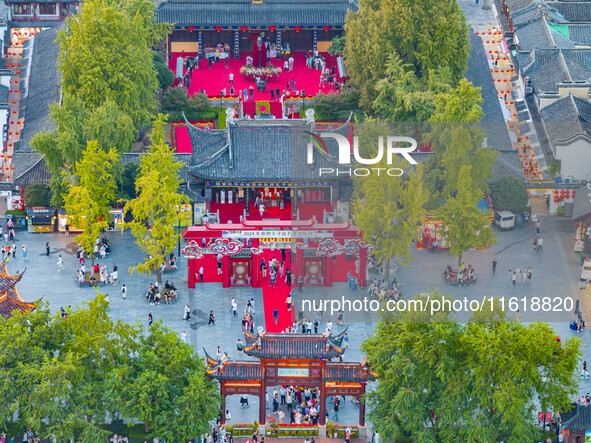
(508, 163)
(578, 63)
(43, 87)
(262, 150)
(547, 70)
(30, 168)
(581, 420)
(479, 74)
(580, 33)
(534, 34)
(573, 11)
(566, 117)
(242, 13)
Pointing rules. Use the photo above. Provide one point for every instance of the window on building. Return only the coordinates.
(47, 9)
(22, 9)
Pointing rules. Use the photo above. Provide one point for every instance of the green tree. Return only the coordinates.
(105, 55)
(165, 387)
(337, 45)
(387, 209)
(466, 226)
(37, 195)
(401, 96)
(459, 105)
(154, 210)
(69, 394)
(445, 381)
(456, 145)
(509, 194)
(90, 197)
(426, 35)
(24, 339)
(164, 74)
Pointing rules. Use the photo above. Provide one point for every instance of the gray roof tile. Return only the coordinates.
(566, 117)
(285, 13)
(43, 87)
(479, 74)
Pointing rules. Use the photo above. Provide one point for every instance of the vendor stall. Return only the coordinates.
(116, 224)
(63, 222)
(41, 219)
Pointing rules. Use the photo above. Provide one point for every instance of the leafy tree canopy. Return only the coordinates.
(509, 194)
(466, 226)
(427, 36)
(445, 381)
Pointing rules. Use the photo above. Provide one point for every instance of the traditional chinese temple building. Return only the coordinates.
(292, 360)
(305, 25)
(268, 157)
(10, 301)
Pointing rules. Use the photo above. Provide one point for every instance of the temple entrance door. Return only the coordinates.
(240, 271)
(313, 271)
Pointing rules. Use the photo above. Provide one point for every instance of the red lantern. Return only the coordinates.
(326, 28)
(191, 28)
(218, 28)
(297, 28)
(573, 194)
(272, 28)
(244, 28)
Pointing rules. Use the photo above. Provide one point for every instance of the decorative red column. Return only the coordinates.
(191, 270)
(262, 405)
(323, 399)
(328, 271)
(362, 407)
(362, 267)
(226, 271)
(299, 264)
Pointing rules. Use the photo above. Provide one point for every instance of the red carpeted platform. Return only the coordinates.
(272, 212)
(210, 269)
(228, 211)
(275, 297)
(213, 80)
(307, 211)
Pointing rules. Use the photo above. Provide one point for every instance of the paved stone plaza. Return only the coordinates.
(555, 273)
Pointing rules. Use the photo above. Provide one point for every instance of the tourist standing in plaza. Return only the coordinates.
(275, 318)
(509, 277)
(60, 263)
(300, 283)
(211, 318)
(25, 253)
(494, 265)
(540, 243)
(150, 319)
(201, 273)
(47, 248)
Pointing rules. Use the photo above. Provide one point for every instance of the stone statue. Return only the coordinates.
(310, 116)
(230, 116)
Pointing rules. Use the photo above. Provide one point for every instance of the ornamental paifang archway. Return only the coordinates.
(329, 244)
(294, 360)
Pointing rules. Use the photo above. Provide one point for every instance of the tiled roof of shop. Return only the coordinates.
(575, 11)
(479, 74)
(43, 87)
(566, 117)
